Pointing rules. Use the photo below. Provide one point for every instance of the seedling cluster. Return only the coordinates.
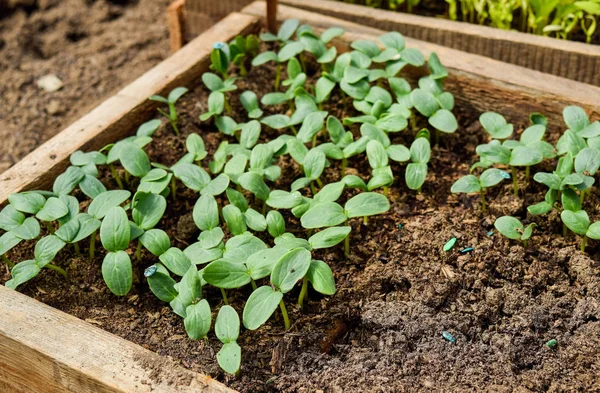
(577, 158)
(241, 212)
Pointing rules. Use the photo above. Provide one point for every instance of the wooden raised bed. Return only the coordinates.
(573, 60)
(45, 350)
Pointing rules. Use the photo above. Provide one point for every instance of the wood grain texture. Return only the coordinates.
(175, 22)
(201, 14)
(478, 83)
(573, 60)
(122, 113)
(43, 350)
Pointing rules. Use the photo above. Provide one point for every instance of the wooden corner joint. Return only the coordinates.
(175, 21)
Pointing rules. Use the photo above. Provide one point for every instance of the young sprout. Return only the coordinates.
(496, 125)
(328, 80)
(250, 103)
(220, 58)
(512, 228)
(382, 172)
(227, 329)
(471, 183)
(242, 47)
(317, 46)
(579, 222)
(217, 98)
(172, 98)
(420, 152)
(285, 33)
(286, 53)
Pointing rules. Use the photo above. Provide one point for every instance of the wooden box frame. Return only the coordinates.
(45, 350)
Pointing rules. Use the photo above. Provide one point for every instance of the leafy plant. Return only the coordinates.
(171, 100)
(512, 228)
(470, 183)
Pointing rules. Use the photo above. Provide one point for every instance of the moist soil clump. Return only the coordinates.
(396, 293)
(95, 47)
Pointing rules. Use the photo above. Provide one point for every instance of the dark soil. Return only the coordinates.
(94, 46)
(397, 293)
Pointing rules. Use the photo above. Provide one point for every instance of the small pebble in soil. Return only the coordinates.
(551, 344)
(150, 271)
(448, 337)
(449, 244)
(505, 175)
(466, 250)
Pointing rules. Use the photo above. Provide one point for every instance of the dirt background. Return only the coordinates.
(382, 331)
(94, 46)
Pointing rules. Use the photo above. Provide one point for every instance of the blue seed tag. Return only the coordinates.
(466, 250)
(490, 233)
(149, 272)
(552, 343)
(447, 336)
(505, 175)
(218, 45)
(400, 226)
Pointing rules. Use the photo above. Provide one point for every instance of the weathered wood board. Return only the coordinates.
(573, 60)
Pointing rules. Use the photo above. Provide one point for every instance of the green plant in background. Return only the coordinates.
(471, 184)
(171, 100)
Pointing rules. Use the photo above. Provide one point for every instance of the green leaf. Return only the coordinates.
(280, 199)
(528, 231)
(575, 118)
(444, 121)
(239, 248)
(367, 47)
(206, 213)
(254, 183)
(577, 221)
(115, 231)
(191, 175)
(197, 320)
(176, 261)
(551, 180)
(260, 264)
(27, 202)
(288, 51)
(437, 69)
(156, 241)
(329, 237)
(314, 163)
(53, 209)
(87, 226)
(227, 125)
(225, 274)
(46, 249)
(148, 209)
(287, 29)
(234, 219)
(212, 238)
(466, 184)
(276, 121)
(10, 218)
(358, 90)
(216, 186)
(492, 177)
(326, 214)
(509, 227)
(290, 268)
(117, 272)
(250, 103)
(91, 186)
(148, 128)
(415, 175)
(198, 254)
(134, 159)
(525, 156)
(539, 208)
(330, 192)
(7, 241)
(22, 272)
(275, 223)
(230, 357)
(250, 134)
(398, 153)
(176, 94)
(496, 125)
(495, 153)
(66, 182)
(321, 277)
(312, 124)
(323, 88)
(366, 204)
(570, 200)
(424, 102)
(376, 154)
(189, 291)
(254, 220)
(593, 231)
(30, 229)
(161, 284)
(587, 161)
(195, 145)
(420, 151)
(227, 327)
(261, 304)
(392, 122)
(106, 201)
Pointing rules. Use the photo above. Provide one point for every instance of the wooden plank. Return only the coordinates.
(574, 60)
(478, 83)
(175, 22)
(44, 350)
(120, 114)
(272, 16)
(201, 14)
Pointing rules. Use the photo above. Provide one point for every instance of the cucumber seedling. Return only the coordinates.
(171, 100)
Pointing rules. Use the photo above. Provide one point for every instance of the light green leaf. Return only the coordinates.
(46, 249)
(117, 272)
(509, 227)
(106, 201)
(578, 221)
(197, 319)
(156, 241)
(326, 214)
(290, 268)
(321, 277)
(261, 304)
(366, 204)
(176, 261)
(22, 272)
(329, 237)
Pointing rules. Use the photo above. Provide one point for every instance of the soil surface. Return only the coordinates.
(397, 292)
(95, 47)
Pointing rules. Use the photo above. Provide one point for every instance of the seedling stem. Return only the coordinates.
(583, 243)
(277, 76)
(49, 227)
(303, 292)
(483, 204)
(514, 179)
(57, 269)
(138, 251)
(116, 176)
(174, 188)
(286, 319)
(8, 262)
(253, 284)
(224, 294)
(93, 244)
(76, 247)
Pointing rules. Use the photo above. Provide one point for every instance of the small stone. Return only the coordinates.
(449, 337)
(53, 108)
(50, 83)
